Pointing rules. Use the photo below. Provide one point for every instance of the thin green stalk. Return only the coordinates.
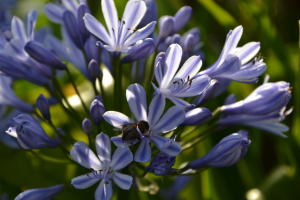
(50, 159)
(95, 88)
(73, 83)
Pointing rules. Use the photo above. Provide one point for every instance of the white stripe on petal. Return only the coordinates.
(121, 158)
(116, 119)
(171, 148)
(122, 180)
(18, 29)
(84, 181)
(83, 155)
(103, 148)
(111, 18)
(136, 98)
(54, 12)
(190, 68)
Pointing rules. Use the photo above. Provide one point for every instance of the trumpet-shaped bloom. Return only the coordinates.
(30, 134)
(136, 97)
(233, 63)
(41, 193)
(183, 83)
(104, 167)
(122, 34)
(226, 153)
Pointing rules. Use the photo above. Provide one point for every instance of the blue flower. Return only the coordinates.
(104, 168)
(233, 63)
(122, 34)
(30, 134)
(136, 97)
(226, 153)
(41, 193)
(196, 116)
(183, 83)
(6, 122)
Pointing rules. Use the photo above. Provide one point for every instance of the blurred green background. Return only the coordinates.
(270, 169)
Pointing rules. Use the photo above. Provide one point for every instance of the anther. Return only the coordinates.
(134, 30)
(123, 22)
(188, 78)
(174, 82)
(92, 169)
(88, 175)
(113, 29)
(181, 80)
(107, 182)
(128, 28)
(119, 19)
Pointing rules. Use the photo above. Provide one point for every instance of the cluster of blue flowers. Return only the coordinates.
(175, 88)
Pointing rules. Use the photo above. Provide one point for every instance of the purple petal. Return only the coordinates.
(18, 29)
(96, 28)
(158, 140)
(173, 58)
(71, 5)
(156, 109)
(143, 153)
(181, 18)
(82, 9)
(248, 51)
(84, 181)
(233, 40)
(136, 98)
(117, 140)
(103, 148)
(82, 154)
(170, 120)
(111, 18)
(104, 191)
(116, 119)
(190, 68)
(171, 148)
(54, 12)
(121, 158)
(181, 102)
(122, 180)
(31, 21)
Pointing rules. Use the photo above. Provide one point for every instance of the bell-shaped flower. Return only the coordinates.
(30, 134)
(43, 106)
(226, 153)
(263, 100)
(122, 34)
(87, 127)
(41, 193)
(183, 83)
(233, 63)
(97, 110)
(136, 98)
(141, 49)
(8, 97)
(104, 167)
(196, 116)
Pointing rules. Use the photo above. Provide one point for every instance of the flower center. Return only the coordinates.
(105, 174)
(180, 85)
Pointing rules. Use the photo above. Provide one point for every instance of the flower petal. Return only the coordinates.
(136, 98)
(170, 120)
(18, 29)
(140, 34)
(171, 148)
(104, 191)
(233, 40)
(82, 154)
(84, 181)
(181, 102)
(173, 58)
(158, 72)
(116, 119)
(190, 68)
(122, 180)
(133, 14)
(117, 140)
(96, 28)
(143, 153)
(103, 148)
(121, 158)
(158, 140)
(54, 12)
(248, 51)
(156, 109)
(111, 18)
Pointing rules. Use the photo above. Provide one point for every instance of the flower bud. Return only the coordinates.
(207, 94)
(91, 49)
(43, 106)
(166, 24)
(196, 117)
(99, 98)
(97, 110)
(265, 99)
(30, 134)
(151, 13)
(226, 153)
(162, 164)
(141, 49)
(71, 27)
(43, 55)
(94, 70)
(189, 43)
(81, 10)
(175, 39)
(181, 18)
(42, 193)
(87, 126)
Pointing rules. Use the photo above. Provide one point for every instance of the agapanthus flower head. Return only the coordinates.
(104, 167)
(226, 153)
(30, 134)
(136, 97)
(173, 84)
(41, 193)
(122, 34)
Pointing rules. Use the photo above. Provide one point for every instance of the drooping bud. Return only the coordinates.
(71, 27)
(226, 153)
(87, 126)
(91, 49)
(42, 193)
(166, 24)
(189, 43)
(181, 18)
(30, 134)
(196, 117)
(43, 55)
(94, 70)
(141, 49)
(97, 110)
(81, 10)
(43, 106)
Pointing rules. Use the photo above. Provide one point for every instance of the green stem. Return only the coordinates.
(95, 88)
(73, 83)
(49, 159)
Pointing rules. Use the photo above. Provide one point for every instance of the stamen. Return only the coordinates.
(113, 29)
(123, 22)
